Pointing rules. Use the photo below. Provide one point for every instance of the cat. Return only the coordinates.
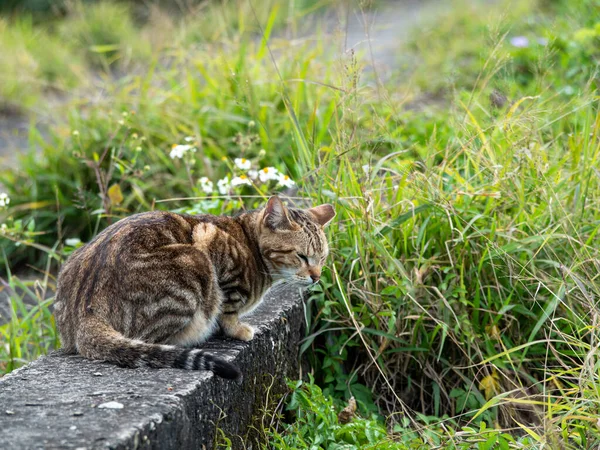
(154, 285)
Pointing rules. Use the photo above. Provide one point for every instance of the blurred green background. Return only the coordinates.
(458, 141)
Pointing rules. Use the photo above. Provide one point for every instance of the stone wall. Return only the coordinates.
(69, 402)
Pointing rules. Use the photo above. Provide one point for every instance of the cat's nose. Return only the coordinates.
(315, 277)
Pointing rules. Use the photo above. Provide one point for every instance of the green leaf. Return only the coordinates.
(104, 48)
(115, 195)
(403, 218)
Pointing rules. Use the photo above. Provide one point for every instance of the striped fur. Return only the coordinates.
(151, 287)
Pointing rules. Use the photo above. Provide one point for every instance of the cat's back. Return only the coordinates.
(120, 244)
(139, 232)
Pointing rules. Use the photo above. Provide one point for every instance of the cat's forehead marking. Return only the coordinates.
(315, 237)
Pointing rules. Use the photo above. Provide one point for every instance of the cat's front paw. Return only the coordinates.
(244, 332)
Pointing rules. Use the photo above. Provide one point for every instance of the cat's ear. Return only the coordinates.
(276, 216)
(323, 213)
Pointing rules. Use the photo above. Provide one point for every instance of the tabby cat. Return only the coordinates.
(151, 287)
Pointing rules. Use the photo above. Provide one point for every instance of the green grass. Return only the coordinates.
(66, 48)
(316, 421)
(312, 411)
(30, 332)
(459, 307)
(105, 47)
(28, 69)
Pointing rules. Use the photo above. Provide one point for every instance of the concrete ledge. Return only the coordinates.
(61, 402)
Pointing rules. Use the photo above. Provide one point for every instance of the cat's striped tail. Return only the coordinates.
(96, 339)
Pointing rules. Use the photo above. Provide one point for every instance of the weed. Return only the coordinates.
(29, 330)
(105, 46)
(316, 425)
(460, 302)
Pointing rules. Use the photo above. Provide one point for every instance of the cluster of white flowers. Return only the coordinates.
(206, 185)
(242, 163)
(248, 176)
(268, 173)
(285, 181)
(223, 186)
(4, 200)
(242, 179)
(179, 151)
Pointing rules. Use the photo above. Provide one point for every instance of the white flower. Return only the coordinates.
(262, 153)
(4, 200)
(242, 179)
(253, 174)
(242, 163)
(285, 181)
(189, 139)
(268, 173)
(206, 185)
(177, 151)
(519, 42)
(223, 186)
(251, 124)
(72, 242)
(3, 228)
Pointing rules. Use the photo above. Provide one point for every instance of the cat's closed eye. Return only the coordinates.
(303, 258)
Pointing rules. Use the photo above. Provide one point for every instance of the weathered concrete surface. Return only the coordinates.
(54, 402)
